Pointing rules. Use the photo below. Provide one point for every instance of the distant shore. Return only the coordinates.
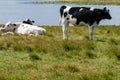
(87, 2)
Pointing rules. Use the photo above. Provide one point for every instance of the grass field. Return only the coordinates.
(93, 0)
(48, 57)
(89, 2)
(101, 2)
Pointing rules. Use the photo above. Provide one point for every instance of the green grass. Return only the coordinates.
(48, 57)
(87, 2)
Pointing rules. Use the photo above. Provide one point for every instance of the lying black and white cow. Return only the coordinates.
(87, 15)
(22, 28)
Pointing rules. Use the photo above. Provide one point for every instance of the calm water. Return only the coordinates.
(44, 14)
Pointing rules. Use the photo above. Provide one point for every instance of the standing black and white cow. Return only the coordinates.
(87, 15)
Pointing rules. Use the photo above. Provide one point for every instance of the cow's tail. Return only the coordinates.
(61, 13)
(60, 21)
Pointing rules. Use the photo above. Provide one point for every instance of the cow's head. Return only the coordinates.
(8, 27)
(29, 21)
(106, 13)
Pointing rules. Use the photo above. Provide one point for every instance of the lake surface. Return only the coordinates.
(44, 14)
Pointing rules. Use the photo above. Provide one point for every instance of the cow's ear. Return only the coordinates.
(108, 10)
(104, 8)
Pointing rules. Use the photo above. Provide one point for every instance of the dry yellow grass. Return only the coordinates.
(94, 0)
(97, 2)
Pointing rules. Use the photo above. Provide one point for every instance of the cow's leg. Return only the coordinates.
(91, 29)
(64, 29)
(31, 35)
(34, 33)
(8, 33)
(37, 34)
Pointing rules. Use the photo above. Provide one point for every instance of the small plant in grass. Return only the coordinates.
(70, 46)
(117, 55)
(72, 68)
(113, 51)
(90, 55)
(113, 41)
(34, 56)
(28, 49)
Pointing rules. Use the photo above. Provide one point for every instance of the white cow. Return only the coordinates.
(22, 28)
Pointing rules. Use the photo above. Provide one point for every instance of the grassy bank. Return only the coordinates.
(93, 2)
(48, 57)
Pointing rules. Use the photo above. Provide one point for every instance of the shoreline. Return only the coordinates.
(78, 2)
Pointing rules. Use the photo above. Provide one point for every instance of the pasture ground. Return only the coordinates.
(88, 2)
(48, 57)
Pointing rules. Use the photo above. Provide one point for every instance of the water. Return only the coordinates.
(44, 14)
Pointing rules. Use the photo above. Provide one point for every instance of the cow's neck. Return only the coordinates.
(98, 20)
